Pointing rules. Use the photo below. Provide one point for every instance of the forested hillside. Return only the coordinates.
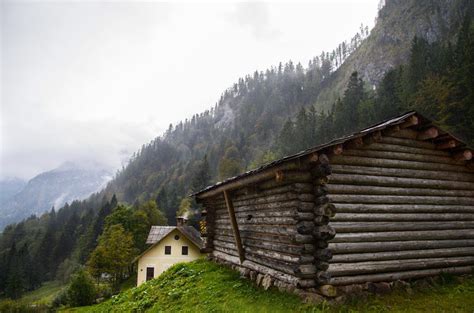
(262, 117)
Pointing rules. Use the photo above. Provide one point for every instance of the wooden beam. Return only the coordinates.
(235, 227)
(410, 121)
(266, 174)
(373, 138)
(446, 145)
(355, 143)
(465, 155)
(429, 133)
(391, 130)
(337, 149)
(313, 157)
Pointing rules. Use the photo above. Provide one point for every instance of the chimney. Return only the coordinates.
(181, 220)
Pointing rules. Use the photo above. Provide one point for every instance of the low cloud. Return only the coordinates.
(47, 142)
(256, 17)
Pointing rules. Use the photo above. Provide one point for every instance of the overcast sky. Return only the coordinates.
(93, 81)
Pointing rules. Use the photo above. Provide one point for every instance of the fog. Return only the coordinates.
(93, 81)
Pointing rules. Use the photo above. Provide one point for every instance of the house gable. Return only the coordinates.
(156, 258)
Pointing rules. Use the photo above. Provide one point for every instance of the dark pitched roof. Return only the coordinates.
(377, 127)
(157, 233)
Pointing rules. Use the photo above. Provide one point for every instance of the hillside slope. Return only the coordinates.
(389, 42)
(203, 286)
(242, 131)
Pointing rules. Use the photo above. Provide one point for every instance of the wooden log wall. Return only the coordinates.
(405, 209)
(275, 220)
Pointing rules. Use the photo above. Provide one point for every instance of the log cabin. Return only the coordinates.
(391, 202)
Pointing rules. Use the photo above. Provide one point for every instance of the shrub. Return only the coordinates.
(81, 290)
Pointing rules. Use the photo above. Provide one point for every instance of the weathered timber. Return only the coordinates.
(409, 121)
(306, 269)
(271, 237)
(265, 220)
(293, 176)
(282, 266)
(465, 155)
(348, 280)
(409, 254)
(385, 199)
(291, 279)
(408, 142)
(379, 146)
(287, 248)
(385, 181)
(400, 164)
(364, 247)
(294, 187)
(305, 227)
(355, 143)
(323, 159)
(235, 227)
(402, 156)
(304, 216)
(345, 269)
(322, 277)
(335, 189)
(313, 157)
(266, 174)
(320, 190)
(405, 173)
(406, 133)
(286, 196)
(326, 209)
(321, 170)
(402, 208)
(367, 217)
(284, 212)
(322, 265)
(429, 133)
(418, 235)
(306, 259)
(372, 138)
(321, 200)
(355, 227)
(323, 254)
(272, 206)
(321, 220)
(321, 181)
(337, 149)
(268, 229)
(449, 144)
(324, 232)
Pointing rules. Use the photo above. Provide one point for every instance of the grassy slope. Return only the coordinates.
(202, 286)
(45, 294)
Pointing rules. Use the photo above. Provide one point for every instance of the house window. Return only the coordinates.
(150, 273)
(184, 250)
(167, 249)
(176, 237)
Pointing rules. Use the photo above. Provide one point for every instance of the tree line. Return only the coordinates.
(262, 117)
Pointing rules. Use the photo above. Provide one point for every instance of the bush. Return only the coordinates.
(104, 291)
(81, 290)
(60, 299)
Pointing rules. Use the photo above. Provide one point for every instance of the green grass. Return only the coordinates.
(202, 286)
(45, 294)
